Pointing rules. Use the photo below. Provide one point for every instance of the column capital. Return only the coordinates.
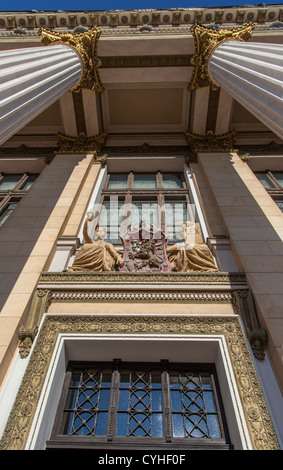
(85, 44)
(80, 144)
(210, 142)
(206, 40)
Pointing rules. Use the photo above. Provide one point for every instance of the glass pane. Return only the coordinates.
(144, 212)
(122, 424)
(156, 400)
(176, 213)
(118, 181)
(171, 181)
(110, 218)
(178, 425)
(8, 182)
(145, 181)
(192, 400)
(7, 212)
(280, 205)
(279, 176)
(157, 425)
(123, 399)
(213, 426)
(101, 424)
(87, 403)
(265, 180)
(140, 404)
(28, 182)
(176, 400)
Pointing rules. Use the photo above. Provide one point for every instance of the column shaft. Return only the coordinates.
(253, 74)
(31, 80)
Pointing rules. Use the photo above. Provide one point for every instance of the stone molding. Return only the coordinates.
(256, 414)
(208, 288)
(154, 20)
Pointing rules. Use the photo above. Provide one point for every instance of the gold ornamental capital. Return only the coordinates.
(85, 44)
(211, 142)
(82, 143)
(206, 40)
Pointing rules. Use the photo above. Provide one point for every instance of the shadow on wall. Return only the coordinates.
(21, 231)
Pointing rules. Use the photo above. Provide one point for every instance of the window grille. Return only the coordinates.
(140, 404)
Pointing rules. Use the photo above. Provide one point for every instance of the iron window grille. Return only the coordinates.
(13, 188)
(130, 405)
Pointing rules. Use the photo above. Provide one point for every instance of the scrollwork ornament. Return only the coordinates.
(206, 40)
(68, 144)
(211, 142)
(85, 44)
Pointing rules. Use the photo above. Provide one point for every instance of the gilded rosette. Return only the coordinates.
(86, 46)
(206, 40)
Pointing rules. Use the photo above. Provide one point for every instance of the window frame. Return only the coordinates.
(275, 192)
(159, 195)
(14, 195)
(61, 441)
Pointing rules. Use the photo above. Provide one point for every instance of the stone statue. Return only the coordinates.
(192, 254)
(96, 255)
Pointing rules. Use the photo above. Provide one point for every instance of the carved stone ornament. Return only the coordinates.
(81, 143)
(257, 419)
(211, 142)
(257, 335)
(206, 40)
(86, 46)
(40, 302)
(144, 250)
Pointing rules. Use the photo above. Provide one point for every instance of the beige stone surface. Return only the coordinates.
(136, 308)
(28, 239)
(255, 227)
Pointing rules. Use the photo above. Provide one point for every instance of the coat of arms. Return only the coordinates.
(145, 249)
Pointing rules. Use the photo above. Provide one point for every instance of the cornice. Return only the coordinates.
(112, 279)
(143, 21)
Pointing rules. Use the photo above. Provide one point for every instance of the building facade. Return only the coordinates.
(141, 226)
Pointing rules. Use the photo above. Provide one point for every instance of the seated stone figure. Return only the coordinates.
(192, 254)
(96, 255)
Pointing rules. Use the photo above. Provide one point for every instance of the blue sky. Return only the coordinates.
(80, 5)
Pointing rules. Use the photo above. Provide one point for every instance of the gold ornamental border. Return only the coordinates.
(85, 44)
(257, 417)
(206, 40)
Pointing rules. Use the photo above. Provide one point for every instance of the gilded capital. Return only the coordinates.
(211, 142)
(86, 46)
(206, 40)
(68, 144)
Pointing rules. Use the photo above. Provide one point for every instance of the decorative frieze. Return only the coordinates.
(158, 19)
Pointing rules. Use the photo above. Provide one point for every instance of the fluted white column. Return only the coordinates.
(253, 74)
(32, 79)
